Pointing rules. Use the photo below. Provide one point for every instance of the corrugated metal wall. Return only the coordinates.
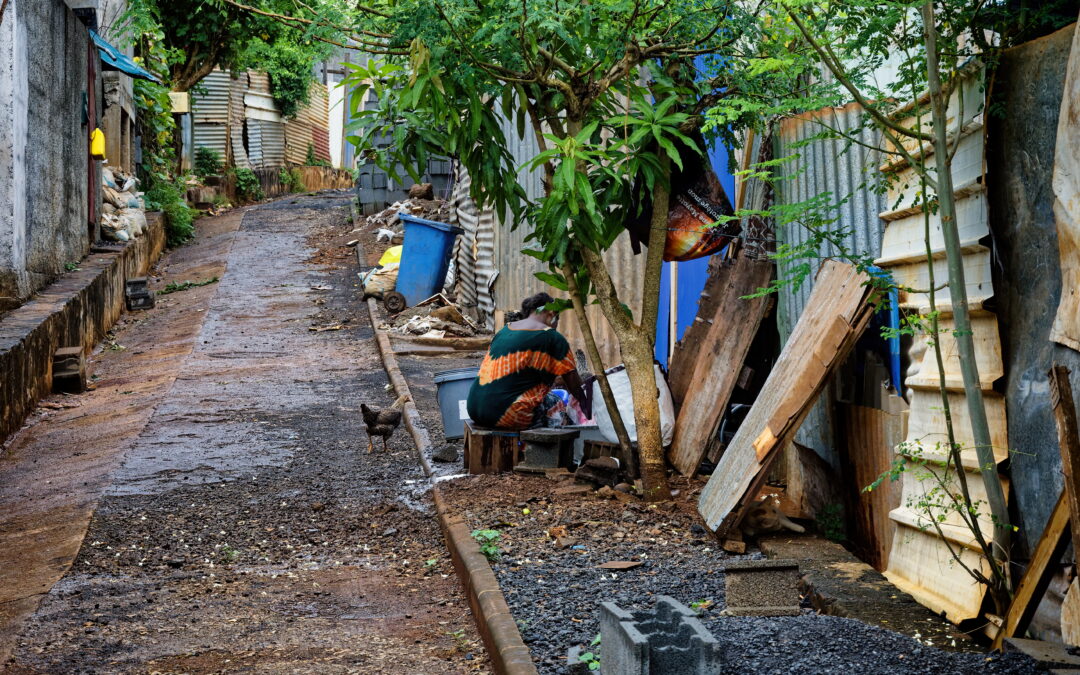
(237, 117)
(516, 271)
(210, 113)
(841, 169)
(236, 121)
(310, 128)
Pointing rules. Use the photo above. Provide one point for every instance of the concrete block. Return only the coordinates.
(546, 449)
(669, 638)
(69, 370)
(137, 295)
(762, 588)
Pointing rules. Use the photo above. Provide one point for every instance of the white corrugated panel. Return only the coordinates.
(920, 562)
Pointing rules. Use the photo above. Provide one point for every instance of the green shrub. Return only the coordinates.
(292, 179)
(248, 187)
(169, 198)
(207, 162)
(312, 160)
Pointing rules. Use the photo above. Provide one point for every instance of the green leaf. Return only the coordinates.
(556, 280)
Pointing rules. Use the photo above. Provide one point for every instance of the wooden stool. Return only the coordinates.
(490, 450)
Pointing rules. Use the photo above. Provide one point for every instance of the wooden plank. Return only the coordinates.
(684, 356)
(719, 362)
(1061, 399)
(1066, 183)
(1048, 552)
(866, 451)
(836, 314)
(1070, 614)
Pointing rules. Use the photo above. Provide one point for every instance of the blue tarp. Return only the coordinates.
(114, 59)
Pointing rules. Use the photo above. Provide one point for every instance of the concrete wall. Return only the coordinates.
(1020, 161)
(45, 218)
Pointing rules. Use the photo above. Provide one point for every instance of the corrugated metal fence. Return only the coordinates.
(498, 254)
(841, 169)
(236, 117)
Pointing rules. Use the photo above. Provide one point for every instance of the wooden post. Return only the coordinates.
(1051, 546)
(1061, 399)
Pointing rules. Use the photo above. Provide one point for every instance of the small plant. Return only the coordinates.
(312, 160)
(173, 287)
(221, 201)
(207, 162)
(461, 643)
(292, 179)
(168, 197)
(700, 606)
(228, 553)
(831, 522)
(592, 659)
(489, 542)
(71, 266)
(431, 562)
(248, 187)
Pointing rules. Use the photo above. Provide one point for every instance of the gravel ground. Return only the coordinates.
(248, 529)
(554, 592)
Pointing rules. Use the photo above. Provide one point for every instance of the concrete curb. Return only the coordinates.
(508, 653)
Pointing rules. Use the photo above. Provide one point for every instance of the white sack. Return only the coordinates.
(620, 388)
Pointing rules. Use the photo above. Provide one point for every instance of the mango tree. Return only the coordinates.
(610, 91)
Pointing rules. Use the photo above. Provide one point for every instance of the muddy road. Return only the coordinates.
(236, 522)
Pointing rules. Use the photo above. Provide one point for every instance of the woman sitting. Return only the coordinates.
(513, 390)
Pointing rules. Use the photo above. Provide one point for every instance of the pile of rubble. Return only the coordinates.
(436, 317)
(123, 212)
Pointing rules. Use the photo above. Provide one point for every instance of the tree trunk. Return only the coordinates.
(636, 346)
(965, 342)
(598, 363)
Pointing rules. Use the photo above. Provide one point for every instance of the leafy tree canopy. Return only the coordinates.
(196, 36)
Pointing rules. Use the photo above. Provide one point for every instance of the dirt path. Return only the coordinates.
(240, 525)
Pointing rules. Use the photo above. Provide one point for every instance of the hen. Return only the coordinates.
(382, 421)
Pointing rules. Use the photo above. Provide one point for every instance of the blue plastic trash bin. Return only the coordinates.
(425, 257)
(453, 392)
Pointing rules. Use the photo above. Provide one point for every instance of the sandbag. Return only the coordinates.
(380, 280)
(620, 389)
(135, 221)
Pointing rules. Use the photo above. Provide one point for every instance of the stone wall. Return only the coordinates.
(46, 175)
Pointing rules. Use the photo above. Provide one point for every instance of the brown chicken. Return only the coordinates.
(382, 421)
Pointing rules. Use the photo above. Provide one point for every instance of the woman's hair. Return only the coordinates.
(534, 303)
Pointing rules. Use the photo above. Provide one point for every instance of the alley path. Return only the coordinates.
(238, 523)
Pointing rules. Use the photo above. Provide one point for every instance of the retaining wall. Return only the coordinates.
(77, 310)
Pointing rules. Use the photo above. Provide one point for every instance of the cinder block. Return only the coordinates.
(547, 449)
(761, 588)
(69, 370)
(137, 295)
(669, 638)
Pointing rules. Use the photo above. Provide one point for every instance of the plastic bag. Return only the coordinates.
(620, 388)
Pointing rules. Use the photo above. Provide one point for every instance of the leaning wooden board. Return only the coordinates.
(836, 314)
(719, 359)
